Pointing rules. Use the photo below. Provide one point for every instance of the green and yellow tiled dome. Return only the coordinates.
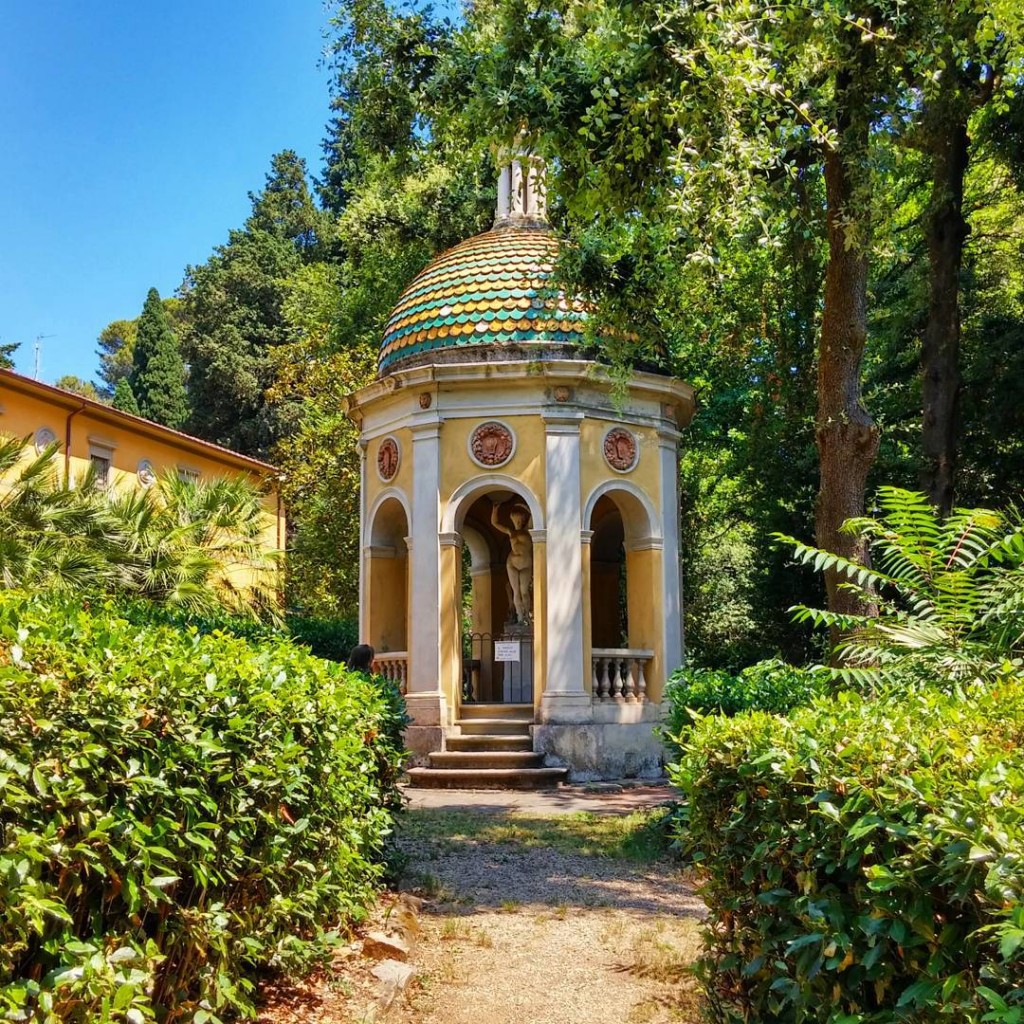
(493, 290)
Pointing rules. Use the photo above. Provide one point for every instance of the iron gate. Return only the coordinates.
(488, 680)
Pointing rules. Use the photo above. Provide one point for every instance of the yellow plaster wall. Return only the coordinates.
(451, 601)
(402, 479)
(645, 601)
(594, 471)
(526, 465)
(387, 585)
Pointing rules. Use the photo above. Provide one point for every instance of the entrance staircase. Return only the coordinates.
(493, 750)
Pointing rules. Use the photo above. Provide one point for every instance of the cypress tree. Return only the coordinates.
(124, 397)
(158, 372)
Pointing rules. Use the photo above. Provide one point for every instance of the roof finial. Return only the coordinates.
(522, 195)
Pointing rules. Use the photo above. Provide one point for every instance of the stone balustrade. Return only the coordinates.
(393, 665)
(618, 674)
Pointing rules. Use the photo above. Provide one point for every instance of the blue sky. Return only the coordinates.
(130, 135)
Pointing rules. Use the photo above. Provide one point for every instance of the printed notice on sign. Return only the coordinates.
(506, 650)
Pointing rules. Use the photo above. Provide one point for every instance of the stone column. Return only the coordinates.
(565, 699)
(671, 582)
(364, 556)
(425, 698)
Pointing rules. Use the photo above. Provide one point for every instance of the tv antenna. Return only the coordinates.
(39, 351)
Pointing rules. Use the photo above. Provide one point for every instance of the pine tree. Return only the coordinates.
(124, 397)
(158, 372)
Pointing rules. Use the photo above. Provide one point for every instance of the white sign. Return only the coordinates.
(506, 650)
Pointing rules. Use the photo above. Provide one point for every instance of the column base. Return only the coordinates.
(426, 732)
(565, 708)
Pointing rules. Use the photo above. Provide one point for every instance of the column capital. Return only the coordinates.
(449, 540)
(562, 421)
(539, 536)
(586, 536)
(425, 430)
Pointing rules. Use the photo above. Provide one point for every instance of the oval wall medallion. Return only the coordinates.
(388, 458)
(43, 439)
(491, 444)
(146, 473)
(620, 449)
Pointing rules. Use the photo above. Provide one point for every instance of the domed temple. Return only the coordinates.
(520, 568)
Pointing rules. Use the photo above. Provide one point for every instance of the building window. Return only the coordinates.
(188, 474)
(101, 467)
(101, 458)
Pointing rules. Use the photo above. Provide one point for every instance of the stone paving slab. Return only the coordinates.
(595, 798)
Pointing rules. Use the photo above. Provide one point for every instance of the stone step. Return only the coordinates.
(489, 742)
(495, 778)
(486, 759)
(494, 727)
(517, 712)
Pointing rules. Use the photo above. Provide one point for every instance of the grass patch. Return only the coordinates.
(640, 836)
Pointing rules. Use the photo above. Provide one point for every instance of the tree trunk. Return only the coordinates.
(846, 435)
(945, 230)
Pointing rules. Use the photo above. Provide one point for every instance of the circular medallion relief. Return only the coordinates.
(491, 444)
(620, 449)
(388, 458)
(43, 439)
(146, 473)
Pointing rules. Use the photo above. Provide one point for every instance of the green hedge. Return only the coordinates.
(332, 639)
(864, 859)
(177, 811)
(767, 686)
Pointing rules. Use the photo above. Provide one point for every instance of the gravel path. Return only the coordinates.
(526, 920)
(538, 936)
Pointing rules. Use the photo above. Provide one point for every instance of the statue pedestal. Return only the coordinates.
(516, 676)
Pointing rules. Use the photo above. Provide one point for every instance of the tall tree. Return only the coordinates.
(85, 388)
(124, 397)
(7, 351)
(233, 311)
(158, 372)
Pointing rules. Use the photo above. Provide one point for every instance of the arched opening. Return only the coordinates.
(623, 619)
(496, 594)
(388, 580)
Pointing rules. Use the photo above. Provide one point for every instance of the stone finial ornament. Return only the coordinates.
(492, 444)
(388, 459)
(620, 449)
(522, 193)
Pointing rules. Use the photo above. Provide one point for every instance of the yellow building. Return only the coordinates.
(520, 538)
(126, 450)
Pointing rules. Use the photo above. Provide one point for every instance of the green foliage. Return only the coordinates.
(950, 594)
(85, 388)
(233, 309)
(194, 545)
(7, 351)
(771, 686)
(124, 397)
(862, 859)
(178, 812)
(157, 378)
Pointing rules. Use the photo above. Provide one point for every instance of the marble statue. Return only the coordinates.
(520, 560)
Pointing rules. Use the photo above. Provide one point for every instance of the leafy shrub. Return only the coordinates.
(864, 858)
(949, 591)
(767, 686)
(177, 812)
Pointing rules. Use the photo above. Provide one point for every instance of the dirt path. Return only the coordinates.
(534, 915)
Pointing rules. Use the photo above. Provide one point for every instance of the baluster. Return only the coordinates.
(617, 679)
(595, 680)
(604, 678)
(630, 685)
(641, 682)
